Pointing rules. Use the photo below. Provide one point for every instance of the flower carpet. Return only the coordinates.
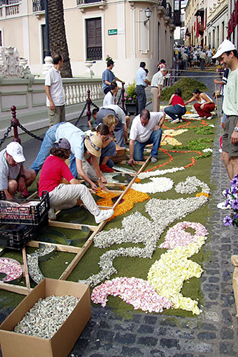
(149, 255)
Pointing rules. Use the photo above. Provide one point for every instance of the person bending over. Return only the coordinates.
(204, 105)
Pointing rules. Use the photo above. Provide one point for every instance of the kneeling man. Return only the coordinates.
(145, 130)
(13, 177)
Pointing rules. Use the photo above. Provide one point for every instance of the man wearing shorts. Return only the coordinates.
(229, 56)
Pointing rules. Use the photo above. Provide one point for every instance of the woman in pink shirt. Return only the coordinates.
(63, 196)
(177, 109)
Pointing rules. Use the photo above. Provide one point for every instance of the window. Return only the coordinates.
(94, 39)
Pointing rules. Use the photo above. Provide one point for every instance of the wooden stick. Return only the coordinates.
(28, 284)
(59, 247)
(15, 288)
(70, 225)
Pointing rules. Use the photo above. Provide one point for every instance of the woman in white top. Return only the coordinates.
(204, 105)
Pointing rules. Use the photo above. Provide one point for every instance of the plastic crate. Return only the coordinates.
(28, 212)
(16, 236)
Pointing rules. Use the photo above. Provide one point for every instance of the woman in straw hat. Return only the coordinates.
(81, 146)
(64, 196)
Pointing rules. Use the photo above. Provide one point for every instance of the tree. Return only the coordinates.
(57, 35)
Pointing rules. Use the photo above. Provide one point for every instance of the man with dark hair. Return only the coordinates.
(227, 53)
(55, 100)
(145, 130)
(108, 77)
(110, 97)
(141, 83)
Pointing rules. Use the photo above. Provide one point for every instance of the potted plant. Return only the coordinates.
(131, 99)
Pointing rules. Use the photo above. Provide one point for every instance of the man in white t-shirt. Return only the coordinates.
(13, 177)
(55, 100)
(145, 130)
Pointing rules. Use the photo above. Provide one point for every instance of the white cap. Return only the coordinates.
(16, 151)
(225, 46)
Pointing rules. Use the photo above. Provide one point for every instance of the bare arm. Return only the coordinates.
(190, 101)
(170, 101)
(47, 91)
(83, 175)
(131, 148)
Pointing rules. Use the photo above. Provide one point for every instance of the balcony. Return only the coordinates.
(82, 4)
(38, 6)
(201, 28)
(161, 9)
(9, 8)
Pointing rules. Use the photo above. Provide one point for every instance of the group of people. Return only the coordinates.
(189, 56)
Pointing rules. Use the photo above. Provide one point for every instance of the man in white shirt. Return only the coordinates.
(55, 100)
(141, 83)
(145, 130)
(110, 97)
(156, 88)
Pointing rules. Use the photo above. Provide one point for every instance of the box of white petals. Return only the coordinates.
(19, 344)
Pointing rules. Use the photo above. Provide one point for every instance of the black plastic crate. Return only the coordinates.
(16, 236)
(20, 212)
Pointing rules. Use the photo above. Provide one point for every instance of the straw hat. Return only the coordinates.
(94, 145)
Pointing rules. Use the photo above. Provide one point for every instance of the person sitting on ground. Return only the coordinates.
(92, 123)
(13, 177)
(63, 196)
(81, 147)
(110, 97)
(145, 130)
(178, 108)
(204, 105)
(108, 148)
(121, 127)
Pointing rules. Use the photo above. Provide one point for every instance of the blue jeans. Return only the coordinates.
(175, 112)
(154, 139)
(140, 91)
(44, 152)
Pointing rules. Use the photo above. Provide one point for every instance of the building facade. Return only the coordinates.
(94, 30)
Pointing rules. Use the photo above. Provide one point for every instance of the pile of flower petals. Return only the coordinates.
(12, 268)
(169, 272)
(157, 184)
(178, 237)
(147, 174)
(134, 291)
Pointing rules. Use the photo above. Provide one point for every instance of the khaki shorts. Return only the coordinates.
(227, 146)
(57, 115)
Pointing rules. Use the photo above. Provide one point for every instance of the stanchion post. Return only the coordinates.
(123, 96)
(15, 122)
(89, 105)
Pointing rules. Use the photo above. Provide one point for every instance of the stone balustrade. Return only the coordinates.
(28, 95)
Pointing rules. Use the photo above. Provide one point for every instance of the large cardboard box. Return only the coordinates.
(60, 345)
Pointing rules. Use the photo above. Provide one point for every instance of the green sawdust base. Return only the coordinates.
(129, 267)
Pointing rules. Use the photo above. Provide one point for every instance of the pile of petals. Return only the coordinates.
(129, 199)
(178, 237)
(190, 185)
(148, 174)
(168, 274)
(156, 184)
(11, 268)
(134, 291)
(171, 141)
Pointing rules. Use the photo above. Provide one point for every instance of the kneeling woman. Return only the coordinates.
(65, 196)
(204, 105)
(178, 108)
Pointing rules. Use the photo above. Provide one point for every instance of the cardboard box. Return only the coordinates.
(60, 345)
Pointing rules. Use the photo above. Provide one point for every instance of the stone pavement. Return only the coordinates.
(213, 333)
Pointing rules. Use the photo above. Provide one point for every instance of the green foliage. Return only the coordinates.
(131, 95)
(187, 85)
(204, 130)
(198, 145)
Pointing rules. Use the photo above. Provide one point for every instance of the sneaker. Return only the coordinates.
(209, 118)
(104, 215)
(175, 121)
(105, 168)
(201, 118)
(25, 193)
(181, 120)
(223, 205)
(51, 214)
(153, 159)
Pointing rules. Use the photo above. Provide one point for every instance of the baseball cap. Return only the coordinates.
(16, 151)
(164, 69)
(225, 46)
(63, 144)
